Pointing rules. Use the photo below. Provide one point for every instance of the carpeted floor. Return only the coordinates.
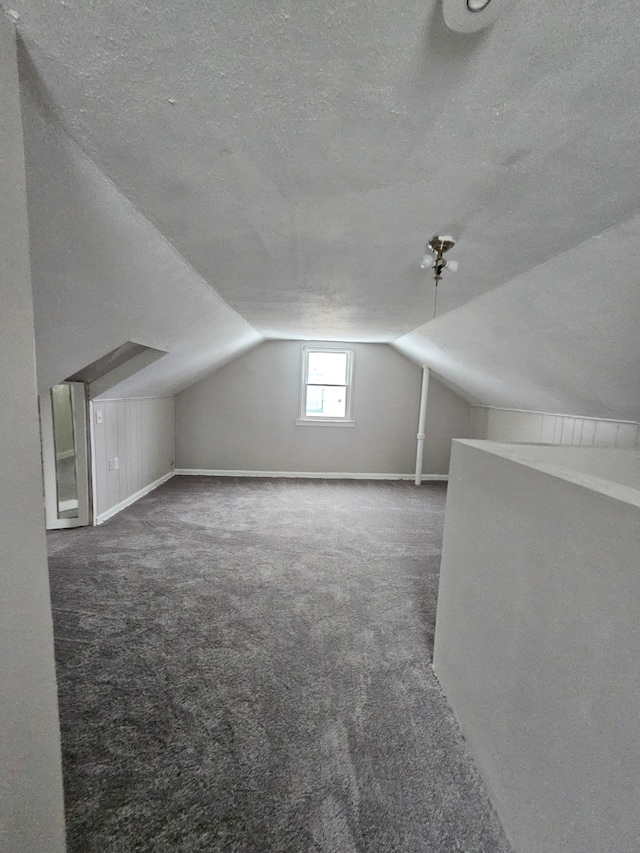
(244, 665)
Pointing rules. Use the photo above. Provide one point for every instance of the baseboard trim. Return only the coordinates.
(307, 475)
(109, 513)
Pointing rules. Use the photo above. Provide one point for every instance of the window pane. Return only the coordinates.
(327, 401)
(315, 399)
(327, 367)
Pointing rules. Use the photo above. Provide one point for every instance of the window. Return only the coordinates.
(326, 386)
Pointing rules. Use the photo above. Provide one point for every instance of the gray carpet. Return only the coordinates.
(244, 665)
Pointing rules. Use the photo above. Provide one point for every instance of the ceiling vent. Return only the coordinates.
(468, 16)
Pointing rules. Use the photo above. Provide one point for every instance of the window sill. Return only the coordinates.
(324, 422)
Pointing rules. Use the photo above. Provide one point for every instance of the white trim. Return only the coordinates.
(79, 397)
(553, 414)
(319, 421)
(132, 498)
(100, 399)
(303, 419)
(310, 475)
(93, 485)
(422, 417)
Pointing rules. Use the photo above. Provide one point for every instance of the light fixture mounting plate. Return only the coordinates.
(469, 16)
(440, 245)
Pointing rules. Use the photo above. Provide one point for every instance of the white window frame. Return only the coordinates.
(314, 420)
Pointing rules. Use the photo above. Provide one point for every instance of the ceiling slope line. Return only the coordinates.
(448, 383)
(628, 217)
(47, 110)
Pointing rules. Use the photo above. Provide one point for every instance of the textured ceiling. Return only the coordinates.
(563, 337)
(103, 275)
(298, 155)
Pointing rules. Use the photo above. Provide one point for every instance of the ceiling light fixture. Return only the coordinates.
(434, 259)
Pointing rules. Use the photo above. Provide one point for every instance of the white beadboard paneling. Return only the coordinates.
(566, 434)
(546, 428)
(557, 430)
(130, 469)
(141, 433)
(606, 434)
(132, 499)
(495, 422)
(479, 422)
(99, 434)
(110, 414)
(528, 428)
(144, 445)
(577, 431)
(515, 426)
(547, 432)
(627, 435)
(121, 412)
(136, 454)
(588, 433)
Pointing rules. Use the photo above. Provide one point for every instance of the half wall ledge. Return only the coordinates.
(538, 637)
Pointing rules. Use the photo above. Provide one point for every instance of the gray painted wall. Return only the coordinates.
(141, 434)
(31, 807)
(545, 428)
(242, 417)
(448, 417)
(537, 645)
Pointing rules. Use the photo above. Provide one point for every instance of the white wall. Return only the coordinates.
(140, 433)
(537, 643)
(619, 465)
(242, 418)
(31, 806)
(541, 427)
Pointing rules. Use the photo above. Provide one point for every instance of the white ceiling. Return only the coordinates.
(295, 157)
(103, 274)
(562, 337)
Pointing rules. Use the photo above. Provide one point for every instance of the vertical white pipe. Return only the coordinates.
(421, 422)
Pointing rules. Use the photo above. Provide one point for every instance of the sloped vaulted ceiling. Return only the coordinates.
(295, 157)
(562, 337)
